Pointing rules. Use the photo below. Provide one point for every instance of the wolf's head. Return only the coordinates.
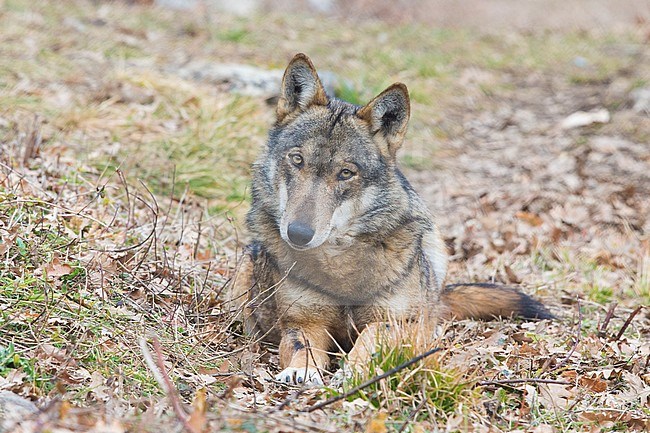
(330, 165)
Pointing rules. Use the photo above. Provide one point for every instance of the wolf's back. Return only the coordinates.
(487, 301)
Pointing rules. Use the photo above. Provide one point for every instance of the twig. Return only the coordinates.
(576, 340)
(608, 317)
(522, 380)
(411, 416)
(153, 235)
(171, 200)
(157, 367)
(195, 253)
(372, 381)
(628, 321)
(44, 204)
(173, 396)
(146, 239)
(292, 424)
(310, 354)
(34, 140)
(129, 208)
(292, 397)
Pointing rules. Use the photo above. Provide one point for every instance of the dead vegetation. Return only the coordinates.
(123, 185)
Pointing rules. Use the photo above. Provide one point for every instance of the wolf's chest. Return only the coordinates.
(352, 275)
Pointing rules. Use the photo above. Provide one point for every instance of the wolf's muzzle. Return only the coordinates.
(300, 233)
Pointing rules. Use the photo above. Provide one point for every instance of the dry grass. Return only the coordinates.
(123, 186)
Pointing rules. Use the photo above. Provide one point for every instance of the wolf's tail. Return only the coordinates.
(487, 301)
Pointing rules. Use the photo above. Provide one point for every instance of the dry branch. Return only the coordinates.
(628, 321)
(522, 380)
(576, 340)
(372, 381)
(157, 367)
(608, 317)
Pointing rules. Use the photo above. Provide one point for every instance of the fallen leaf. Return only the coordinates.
(98, 387)
(198, 419)
(553, 395)
(522, 337)
(57, 269)
(531, 218)
(604, 416)
(594, 384)
(638, 390)
(531, 396)
(543, 428)
(64, 408)
(231, 383)
(377, 424)
(570, 375)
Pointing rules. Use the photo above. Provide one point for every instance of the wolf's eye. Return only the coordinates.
(346, 174)
(296, 159)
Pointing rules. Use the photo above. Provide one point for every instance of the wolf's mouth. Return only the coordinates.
(298, 247)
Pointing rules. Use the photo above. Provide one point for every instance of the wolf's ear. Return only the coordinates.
(301, 87)
(388, 114)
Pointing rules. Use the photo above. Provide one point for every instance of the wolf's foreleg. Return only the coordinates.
(303, 355)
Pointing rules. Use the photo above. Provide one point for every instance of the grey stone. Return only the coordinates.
(240, 7)
(13, 409)
(246, 79)
(641, 99)
(178, 4)
(242, 79)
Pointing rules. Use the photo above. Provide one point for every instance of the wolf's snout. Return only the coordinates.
(300, 233)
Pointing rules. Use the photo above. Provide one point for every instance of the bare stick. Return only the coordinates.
(151, 363)
(576, 340)
(173, 394)
(130, 209)
(522, 380)
(608, 317)
(33, 144)
(310, 354)
(157, 366)
(195, 253)
(414, 412)
(292, 424)
(292, 397)
(149, 237)
(372, 381)
(628, 321)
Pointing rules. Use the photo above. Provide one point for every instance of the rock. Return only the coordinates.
(322, 6)
(75, 24)
(641, 99)
(13, 409)
(246, 79)
(583, 118)
(177, 4)
(243, 8)
(242, 79)
(331, 81)
(580, 62)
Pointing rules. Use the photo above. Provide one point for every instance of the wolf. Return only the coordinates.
(340, 239)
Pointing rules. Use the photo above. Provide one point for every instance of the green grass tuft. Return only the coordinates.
(424, 391)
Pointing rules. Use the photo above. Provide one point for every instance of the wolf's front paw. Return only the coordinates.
(308, 376)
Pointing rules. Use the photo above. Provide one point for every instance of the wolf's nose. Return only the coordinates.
(299, 233)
